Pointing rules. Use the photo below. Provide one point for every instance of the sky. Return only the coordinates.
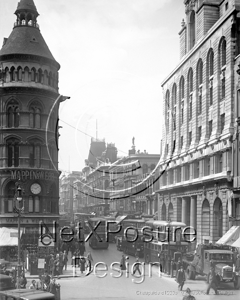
(114, 54)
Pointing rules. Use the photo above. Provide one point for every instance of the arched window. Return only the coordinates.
(19, 74)
(33, 74)
(163, 212)
(9, 194)
(37, 118)
(50, 79)
(190, 92)
(35, 154)
(174, 105)
(12, 74)
(7, 75)
(222, 69)
(40, 75)
(205, 218)
(35, 115)
(199, 85)
(181, 99)
(217, 219)
(170, 211)
(13, 114)
(31, 118)
(192, 30)
(45, 77)
(13, 152)
(167, 108)
(210, 72)
(26, 74)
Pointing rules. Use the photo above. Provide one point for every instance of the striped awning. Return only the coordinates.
(230, 236)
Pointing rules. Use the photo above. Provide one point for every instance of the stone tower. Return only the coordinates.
(29, 103)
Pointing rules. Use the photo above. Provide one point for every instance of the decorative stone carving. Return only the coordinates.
(216, 188)
(190, 6)
(204, 191)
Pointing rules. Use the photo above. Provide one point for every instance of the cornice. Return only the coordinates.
(28, 90)
(29, 58)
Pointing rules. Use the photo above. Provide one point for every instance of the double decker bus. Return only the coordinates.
(99, 241)
(83, 218)
(132, 237)
(167, 241)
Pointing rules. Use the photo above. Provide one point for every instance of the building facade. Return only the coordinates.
(133, 183)
(196, 166)
(29, 102)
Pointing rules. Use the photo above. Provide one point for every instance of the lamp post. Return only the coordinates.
(18, 208)
(168, 235)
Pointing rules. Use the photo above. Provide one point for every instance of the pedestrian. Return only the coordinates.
(82, 249)
(123, 263)
(82, 264)
(61, 263)
(52, 286)
(65, 259)
(56, 265)
(212, 281)
(46, 281)
(160, 265)
(72, 248)
(136, 267)
(237, 263)
(180, 278)
(75, 260)
(51, 265)
(188, 296)
(23, 281)
(47, 260)
(89, 261)
(33, 285)
(137, 253)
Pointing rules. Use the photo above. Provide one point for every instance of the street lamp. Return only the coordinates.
(168, 235)
(18, 208)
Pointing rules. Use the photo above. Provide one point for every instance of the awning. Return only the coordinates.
(9, 236)
(119, 219)
(230, 236)
(236, 243)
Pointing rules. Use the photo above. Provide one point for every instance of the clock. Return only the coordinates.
(35, 188)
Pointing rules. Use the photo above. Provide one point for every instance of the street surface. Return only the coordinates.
(126, 287)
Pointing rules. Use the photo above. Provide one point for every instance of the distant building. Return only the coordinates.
(69, 191)
(133, 181)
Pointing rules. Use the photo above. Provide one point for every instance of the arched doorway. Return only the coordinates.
(163, 217)
(205, 220)
(217, 219)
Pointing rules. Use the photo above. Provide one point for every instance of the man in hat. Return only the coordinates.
(180, 278)
(188, 295)
(212, 279)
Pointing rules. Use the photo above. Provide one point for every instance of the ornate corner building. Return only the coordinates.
(28, 125)
(200, 98)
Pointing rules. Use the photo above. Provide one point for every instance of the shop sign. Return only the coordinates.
(24, 175)
(13, 234)
(26, 221)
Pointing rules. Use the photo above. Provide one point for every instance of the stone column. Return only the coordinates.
(193, 210)
(184, 210)
(193, 220)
